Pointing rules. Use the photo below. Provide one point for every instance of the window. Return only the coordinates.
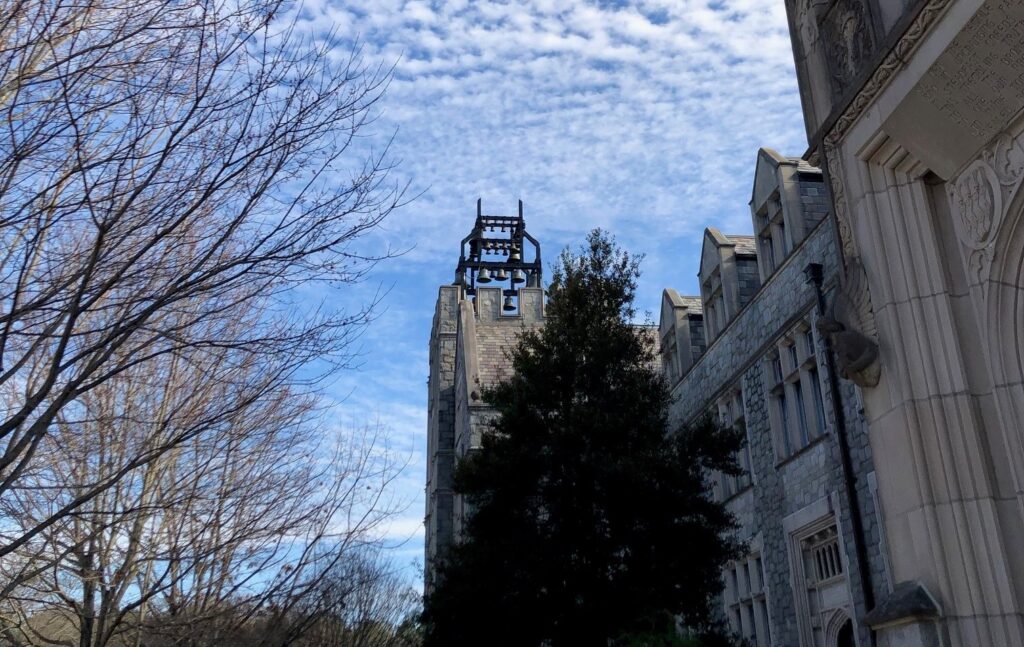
(773, 246)
(819, 403)
(809, 343)
(746, 600)
(796, 406)
(731, 414)
(818, 568)
(715, 316)
(801, 414)
(824, 550)
(768, 249)
(670, 357)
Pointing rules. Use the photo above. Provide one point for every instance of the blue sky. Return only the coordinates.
(640, 117)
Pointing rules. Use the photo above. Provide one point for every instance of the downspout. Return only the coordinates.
(815, 276)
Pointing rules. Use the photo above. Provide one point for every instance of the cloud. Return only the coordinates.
(640, 117)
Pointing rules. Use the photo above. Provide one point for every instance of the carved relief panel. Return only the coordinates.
(849, 30)
(981, 196)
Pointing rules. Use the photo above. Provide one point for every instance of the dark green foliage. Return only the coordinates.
(592, 517)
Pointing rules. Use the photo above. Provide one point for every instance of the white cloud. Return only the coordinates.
(641, 117)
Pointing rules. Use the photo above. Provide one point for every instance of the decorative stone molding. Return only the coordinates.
(850, 31)
(850, 326)
(981, 196)
(835, 623)
(879, 80)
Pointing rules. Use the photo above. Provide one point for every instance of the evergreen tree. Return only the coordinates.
(592, 516)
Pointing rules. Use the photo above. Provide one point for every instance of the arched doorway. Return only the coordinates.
(845, 636)
(839, 630)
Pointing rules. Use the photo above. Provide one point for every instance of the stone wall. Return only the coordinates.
(441, 415)
(469, 346)
(748, 277)
(781, 489)
(814, 200)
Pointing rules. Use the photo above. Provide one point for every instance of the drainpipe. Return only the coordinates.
(815, 276)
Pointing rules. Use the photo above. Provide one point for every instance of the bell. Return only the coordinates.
(500, 275)
(509, 306)
(518, 276)
(515, 257)
(484, 276)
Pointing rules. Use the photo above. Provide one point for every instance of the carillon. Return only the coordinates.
(499, 236)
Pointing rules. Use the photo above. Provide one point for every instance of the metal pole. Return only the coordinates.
(815, 276)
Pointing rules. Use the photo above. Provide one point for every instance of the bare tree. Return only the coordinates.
(164, 167)
(236, 527)
(365, 602)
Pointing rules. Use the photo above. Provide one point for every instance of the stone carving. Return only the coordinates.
(851, 34)
(872, 88)
(807, 24)
(850, 326)
(981, 196)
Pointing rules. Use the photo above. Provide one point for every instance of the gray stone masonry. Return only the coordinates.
(748, 277)
(813, 199)
(440, 427)
(469, 346)
(782, 487)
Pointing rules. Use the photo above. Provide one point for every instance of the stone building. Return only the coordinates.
(884, 499)
(760, 365)
(914, 110)
(474, 325)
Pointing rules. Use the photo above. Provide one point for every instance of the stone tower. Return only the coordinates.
(496, 294)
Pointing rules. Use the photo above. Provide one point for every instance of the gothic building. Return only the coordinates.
(752, 349)
(866, 336)
(914, 110)
(761, 364)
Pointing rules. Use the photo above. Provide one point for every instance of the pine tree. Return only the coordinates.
(592, 518)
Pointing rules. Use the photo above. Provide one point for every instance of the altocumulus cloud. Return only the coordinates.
(640, 117)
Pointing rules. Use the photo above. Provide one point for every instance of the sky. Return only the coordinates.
(643, 118)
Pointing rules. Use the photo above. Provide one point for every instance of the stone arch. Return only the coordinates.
(1003, 321)
(839, 630)
(1005, 297)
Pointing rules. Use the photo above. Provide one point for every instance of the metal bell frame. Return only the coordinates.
(474, 270)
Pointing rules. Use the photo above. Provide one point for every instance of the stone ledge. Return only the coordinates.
(909, 601)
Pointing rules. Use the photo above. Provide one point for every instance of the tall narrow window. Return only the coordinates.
(784, 415)
(747, 606)
(809, 343)
(731, 413)
(819, 404)
(791, 377)
(801, 412)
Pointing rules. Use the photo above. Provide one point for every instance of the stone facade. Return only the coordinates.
(469, 341)
(923, 144)
(765, 368)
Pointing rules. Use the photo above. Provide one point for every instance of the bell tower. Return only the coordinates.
(496, 295)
